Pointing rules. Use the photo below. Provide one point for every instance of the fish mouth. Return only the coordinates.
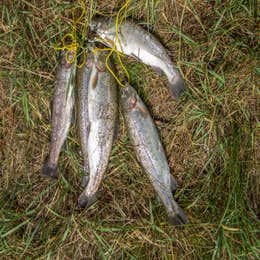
(93, 25)
(67, 58)
(100, 22)
(126, 90)
(97, 23)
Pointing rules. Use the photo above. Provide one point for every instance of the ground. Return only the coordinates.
(211, 138)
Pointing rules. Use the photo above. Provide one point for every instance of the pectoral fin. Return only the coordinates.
(116, 130)
(177, 87)
(142, 111)
(94, 80)
(174, 185)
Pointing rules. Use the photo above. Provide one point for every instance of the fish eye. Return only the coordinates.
(132, 102)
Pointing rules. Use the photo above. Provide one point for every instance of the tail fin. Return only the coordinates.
(86, 201)
(49, 171)
(178, 217)
(177, 86)
(176, 214)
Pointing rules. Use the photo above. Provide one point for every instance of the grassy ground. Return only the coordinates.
(210, 138)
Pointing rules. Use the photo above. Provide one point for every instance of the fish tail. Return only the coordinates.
(48, 170)
(178, 217)
(177, 86)
(85, 201)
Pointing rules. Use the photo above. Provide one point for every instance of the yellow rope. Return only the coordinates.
(118, 24)
(119, 20)
(70, 41)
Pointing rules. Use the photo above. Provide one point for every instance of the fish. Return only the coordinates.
(102, 116)
(83, 75)
(134, 41)
(149, 150)
(62, 107)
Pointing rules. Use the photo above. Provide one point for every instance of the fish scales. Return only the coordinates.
(83, 82)
(102, 114)
(150, 152)
(62, 107)
(137, 42)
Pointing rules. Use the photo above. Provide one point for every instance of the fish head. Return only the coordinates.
(94, 25)
(129, 97)
(101, 25)
(67, 58)
(98, 24)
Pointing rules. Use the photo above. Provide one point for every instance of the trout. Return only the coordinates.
(102, 115)
(82, 84)
(134, 41)
(62, 107)
(150, 152)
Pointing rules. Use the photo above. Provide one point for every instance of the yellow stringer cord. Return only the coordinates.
(73, 44)
(119, 20)
(118, 24)
(70, 42)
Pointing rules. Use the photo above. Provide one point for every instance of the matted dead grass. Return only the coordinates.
(211, 139)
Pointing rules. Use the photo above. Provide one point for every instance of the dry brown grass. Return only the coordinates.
(210, 138)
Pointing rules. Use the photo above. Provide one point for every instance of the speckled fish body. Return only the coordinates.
(82, 85)
(149, 150)
(137, 42)
(62, 107)
(102, 114)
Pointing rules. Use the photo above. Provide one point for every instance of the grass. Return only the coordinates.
(211, 138)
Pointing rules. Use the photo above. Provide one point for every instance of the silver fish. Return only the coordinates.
(62, 107)
(149, 150)
(102, 114)
(136, 42)
(82, 85)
